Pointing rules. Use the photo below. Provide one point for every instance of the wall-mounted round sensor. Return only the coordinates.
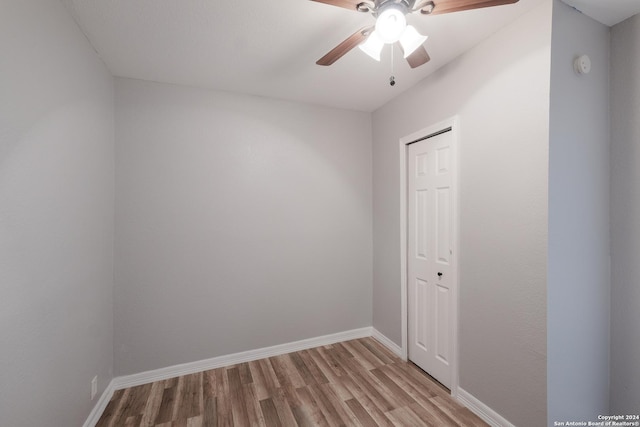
(582, 64)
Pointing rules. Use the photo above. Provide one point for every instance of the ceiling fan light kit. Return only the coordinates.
(411, 40)
(372, 46)
(391, 26)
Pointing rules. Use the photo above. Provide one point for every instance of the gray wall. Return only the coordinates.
(500, 90)
(625, 216)
(241, 222)
(56, 217)
(579, 262)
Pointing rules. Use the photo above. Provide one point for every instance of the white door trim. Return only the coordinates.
(452, 123)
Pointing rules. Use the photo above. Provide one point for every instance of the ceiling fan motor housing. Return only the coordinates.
(405, 6)
(382, 5)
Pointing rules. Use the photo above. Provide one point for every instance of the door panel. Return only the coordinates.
(442, 226)
(442, 323)
(422, 229)
(430, 254)
(422, 289)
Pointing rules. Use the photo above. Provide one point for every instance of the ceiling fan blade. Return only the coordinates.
(418, 57)
(449, 6)
(347, 4)
(338, 52)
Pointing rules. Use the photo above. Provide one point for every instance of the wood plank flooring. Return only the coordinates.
(353, 383)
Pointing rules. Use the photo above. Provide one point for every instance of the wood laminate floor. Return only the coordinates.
(358, 382)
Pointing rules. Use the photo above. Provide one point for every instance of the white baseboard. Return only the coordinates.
(232, 359)
(476, 406)
(382, 339)
(490, 416)
(100, 406)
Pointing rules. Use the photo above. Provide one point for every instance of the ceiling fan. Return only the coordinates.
(391, 26)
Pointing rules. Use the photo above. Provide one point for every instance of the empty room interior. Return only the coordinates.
(191, 186)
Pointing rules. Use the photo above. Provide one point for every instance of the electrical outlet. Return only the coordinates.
(94, 387)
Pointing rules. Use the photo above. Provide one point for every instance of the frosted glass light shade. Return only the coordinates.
(410, 40)
(372, 46)
(390, 25)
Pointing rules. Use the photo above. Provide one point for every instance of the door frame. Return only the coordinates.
(453, 124)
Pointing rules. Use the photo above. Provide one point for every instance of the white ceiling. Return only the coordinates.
(609, 12)
(269, 48)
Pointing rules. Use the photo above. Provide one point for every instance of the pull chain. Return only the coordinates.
(392, 79)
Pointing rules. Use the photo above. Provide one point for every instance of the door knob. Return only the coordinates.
(439, 275)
